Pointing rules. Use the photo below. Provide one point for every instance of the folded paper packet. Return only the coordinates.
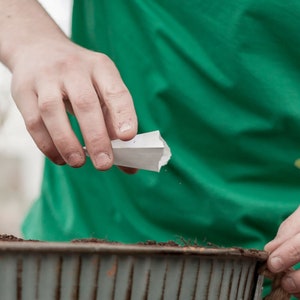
(146, 151)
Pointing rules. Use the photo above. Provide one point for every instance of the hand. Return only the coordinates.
(50, 77)
(285, 252)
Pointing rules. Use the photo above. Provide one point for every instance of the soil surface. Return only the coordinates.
(9, 238)
(146, 243)
(183, 243)
(94, 240)
(12, 238)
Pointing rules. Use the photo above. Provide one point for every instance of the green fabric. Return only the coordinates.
(220, 79)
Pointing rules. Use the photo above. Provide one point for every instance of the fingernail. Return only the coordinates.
(276, 264)
(289, 284)
(124, 127)
(102, 160)
(75, 159)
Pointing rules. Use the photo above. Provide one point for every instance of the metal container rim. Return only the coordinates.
(129, 249)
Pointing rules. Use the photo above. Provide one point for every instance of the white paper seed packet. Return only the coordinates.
(147, 151)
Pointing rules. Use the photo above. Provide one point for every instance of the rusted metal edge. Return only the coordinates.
(129, 249)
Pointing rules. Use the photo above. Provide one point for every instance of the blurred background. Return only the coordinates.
(21, 162)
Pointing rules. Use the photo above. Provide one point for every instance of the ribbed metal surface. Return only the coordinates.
(104, 275)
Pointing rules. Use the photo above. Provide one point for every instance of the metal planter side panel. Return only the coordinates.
(125, 276)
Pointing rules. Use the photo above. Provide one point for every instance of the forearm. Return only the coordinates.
(23, 24)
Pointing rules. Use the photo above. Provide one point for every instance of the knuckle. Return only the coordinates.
(33, 123)
(104, 59)
(294, 252)
(97, 140)
(61, 140)
(64, 143)
(47, 104)
(295, 275)
(85, 101)
(67, 63)
(69, 60)
(115, 92)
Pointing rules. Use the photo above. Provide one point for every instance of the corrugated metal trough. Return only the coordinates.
(99, 271)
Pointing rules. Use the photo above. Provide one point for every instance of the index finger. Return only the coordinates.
(116, 101)
(286, 255)
(288, 228)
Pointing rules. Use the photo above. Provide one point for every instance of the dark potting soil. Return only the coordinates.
(183, 243)
(146, 243)
(9, 238)
(12, 238)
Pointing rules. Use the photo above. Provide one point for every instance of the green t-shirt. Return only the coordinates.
(221, 81)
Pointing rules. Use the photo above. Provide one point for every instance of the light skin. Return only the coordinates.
(284, 252)
(51, 74)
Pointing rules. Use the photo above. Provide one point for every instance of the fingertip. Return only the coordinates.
(103, 161)
(58, 161)
(268, 247)
(51, 153)
(76, 160)
(276, 264)
(127, 170)
(125, 127)
(273, 244)
(127, 130)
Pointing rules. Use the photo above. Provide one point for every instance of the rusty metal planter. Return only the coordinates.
(90, 271)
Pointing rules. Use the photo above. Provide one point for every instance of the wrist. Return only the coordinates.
(24, 24)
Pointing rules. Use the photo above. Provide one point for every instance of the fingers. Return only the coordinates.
(89, 85)
(55, 118)
(285, 248)
(28, 106)
(287, 229)
(116, 101)
(285, 252)
(128, 170)
(286, 255)
(47, 123)
(87, 109)
(103, 108)
(291, 283)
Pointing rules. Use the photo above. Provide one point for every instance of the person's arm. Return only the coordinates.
(49, 74)
(284, 252)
